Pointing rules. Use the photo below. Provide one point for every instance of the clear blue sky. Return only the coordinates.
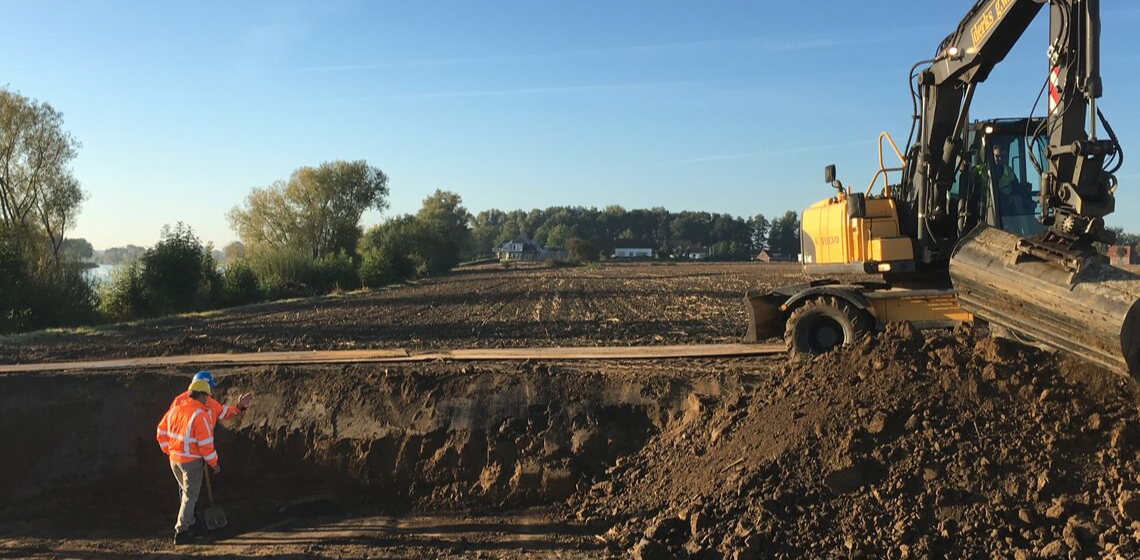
(183, 107)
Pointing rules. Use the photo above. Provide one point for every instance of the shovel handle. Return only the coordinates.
(209, 488)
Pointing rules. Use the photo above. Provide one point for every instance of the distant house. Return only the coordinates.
(1120, 255)
(523, 249)
(697, 252)
(519, 249)
(765, 256)
(632, 249)
(690, 250)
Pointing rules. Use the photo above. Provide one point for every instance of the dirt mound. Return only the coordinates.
(900, 446)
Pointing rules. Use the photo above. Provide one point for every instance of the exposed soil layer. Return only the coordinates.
(345, 441)
(905, 445)
(614, 305)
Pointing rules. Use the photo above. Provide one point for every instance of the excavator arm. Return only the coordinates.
(1053, 287)
(1076, 192)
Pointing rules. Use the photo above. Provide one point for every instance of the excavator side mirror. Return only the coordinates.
(829, 174)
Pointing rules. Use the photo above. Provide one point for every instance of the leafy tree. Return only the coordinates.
(760, 227)
(178, 274)
(445, 211)
(317, 210)
(120, 255)
(582, 251)
(234, 251)
(784, 236)
(239, 284)
(75, 250)
(38, 194)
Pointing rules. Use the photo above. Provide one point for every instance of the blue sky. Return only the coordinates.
(183, 107)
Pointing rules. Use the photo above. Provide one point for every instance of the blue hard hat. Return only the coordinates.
(205, 375)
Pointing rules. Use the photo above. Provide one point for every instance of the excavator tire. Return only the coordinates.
(824, 323)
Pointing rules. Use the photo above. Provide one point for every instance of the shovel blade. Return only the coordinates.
(214, 517)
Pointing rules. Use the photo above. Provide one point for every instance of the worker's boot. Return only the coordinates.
(184, 537)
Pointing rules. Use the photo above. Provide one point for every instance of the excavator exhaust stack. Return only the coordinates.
(1092, 313)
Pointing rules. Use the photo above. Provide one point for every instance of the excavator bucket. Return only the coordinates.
(1092, 314)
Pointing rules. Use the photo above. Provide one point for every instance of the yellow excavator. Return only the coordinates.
(995, 221)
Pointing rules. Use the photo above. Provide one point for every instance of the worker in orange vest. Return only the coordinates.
(186, 435)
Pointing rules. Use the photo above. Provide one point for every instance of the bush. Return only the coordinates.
(121, 296)
(178, 274)
(281, 271)
(582, 251)
(239, 284)
(405, 248)
(36, 294)
(333, 273)
(380, 268)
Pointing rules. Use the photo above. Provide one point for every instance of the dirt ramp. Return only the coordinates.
(902, 446)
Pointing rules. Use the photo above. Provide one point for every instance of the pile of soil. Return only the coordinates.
(900, 446)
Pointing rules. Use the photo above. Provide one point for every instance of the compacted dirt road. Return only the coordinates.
(905, 445)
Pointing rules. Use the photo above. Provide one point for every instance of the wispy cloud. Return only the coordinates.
(762, 44)
(763, 153)
(520, 91)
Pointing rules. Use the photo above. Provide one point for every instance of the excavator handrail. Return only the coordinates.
(883, 169)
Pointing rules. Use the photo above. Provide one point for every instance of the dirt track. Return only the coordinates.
(904, 446)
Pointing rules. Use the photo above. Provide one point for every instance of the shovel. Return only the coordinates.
(214, 517)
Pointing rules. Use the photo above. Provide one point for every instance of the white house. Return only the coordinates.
(632, 249)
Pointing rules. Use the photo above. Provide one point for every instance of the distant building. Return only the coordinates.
(765, 256)
(632, 249)
(690, 250)
(1120, 255)
(518, 249)
(523, 249)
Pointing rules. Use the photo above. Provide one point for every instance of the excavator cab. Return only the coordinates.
(999, 180)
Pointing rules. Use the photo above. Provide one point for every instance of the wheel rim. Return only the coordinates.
(824, 333)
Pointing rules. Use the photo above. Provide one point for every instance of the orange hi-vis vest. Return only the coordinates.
(219, 412)
(186, 432)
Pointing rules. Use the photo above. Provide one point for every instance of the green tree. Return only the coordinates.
(317, 210)
(75, 250)
(760, 227)
(784, 236)
(39, 196)
(582, 251)
(444, 210)
(178, 274)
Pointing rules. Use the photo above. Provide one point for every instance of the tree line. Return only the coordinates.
(298, 236)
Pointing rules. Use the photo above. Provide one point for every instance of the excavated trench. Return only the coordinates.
(322, 439)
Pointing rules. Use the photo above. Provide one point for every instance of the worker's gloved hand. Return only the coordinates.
(216, 469)
(244, 400)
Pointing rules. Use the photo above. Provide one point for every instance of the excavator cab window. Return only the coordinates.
(1000, 182)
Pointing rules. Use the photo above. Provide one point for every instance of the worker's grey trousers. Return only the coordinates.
(189, 477)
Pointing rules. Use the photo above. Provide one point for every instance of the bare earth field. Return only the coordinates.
(488, 307)
(904, 445)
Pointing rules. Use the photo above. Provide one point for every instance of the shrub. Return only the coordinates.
(582, 251)
(121, 296)
(333, 273)
(404, 248)
(281, 271)
(40, 293)
(178, 274)
(239, 284)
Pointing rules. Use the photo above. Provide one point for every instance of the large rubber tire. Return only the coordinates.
(823, 324)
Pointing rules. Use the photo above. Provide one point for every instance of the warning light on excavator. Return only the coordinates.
(989, 129)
